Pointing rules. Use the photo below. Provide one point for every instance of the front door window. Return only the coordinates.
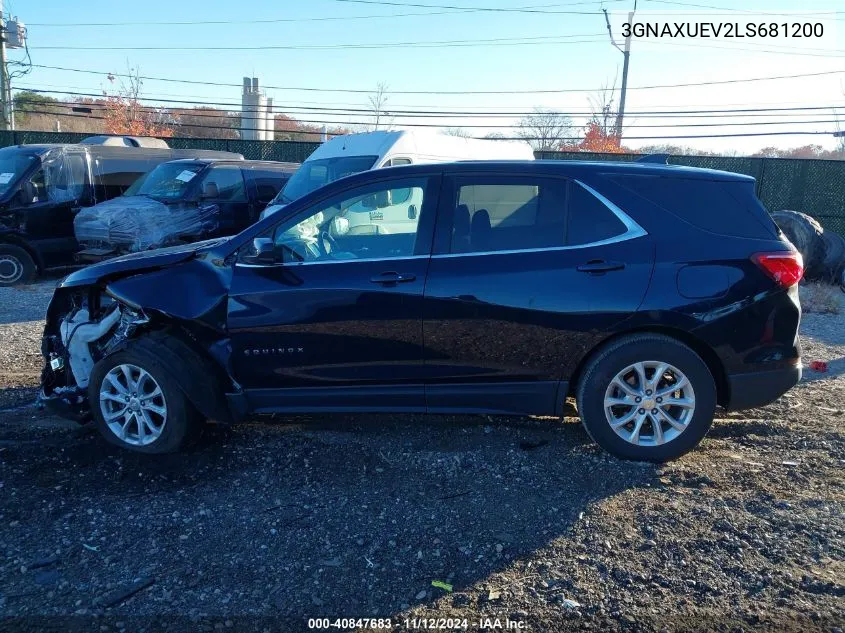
(375, 222)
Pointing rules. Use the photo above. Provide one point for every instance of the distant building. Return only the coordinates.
(257, 122)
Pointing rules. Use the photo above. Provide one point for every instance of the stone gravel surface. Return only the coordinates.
(276, 521)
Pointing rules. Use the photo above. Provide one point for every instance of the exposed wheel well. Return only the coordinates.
(697, 345)
(201, 379)
(13, 240)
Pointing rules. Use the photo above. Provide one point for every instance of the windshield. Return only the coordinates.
(168, 181)
(313, 174)
(13, 164)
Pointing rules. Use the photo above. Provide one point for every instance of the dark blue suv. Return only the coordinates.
(651, 294)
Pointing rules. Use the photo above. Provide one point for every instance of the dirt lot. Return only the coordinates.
(271, 523)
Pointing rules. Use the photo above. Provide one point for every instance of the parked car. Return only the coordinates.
(649, 293)
(42, 187)
(180, 201)
(352, 153)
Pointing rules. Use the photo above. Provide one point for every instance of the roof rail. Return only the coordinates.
(662, 159)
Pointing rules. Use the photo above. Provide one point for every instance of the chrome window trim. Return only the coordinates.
(611, 240)
(331, 261)
(633, 231)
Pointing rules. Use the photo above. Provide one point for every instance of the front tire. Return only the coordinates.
(16, 265)
(138, 406)
(647, 397)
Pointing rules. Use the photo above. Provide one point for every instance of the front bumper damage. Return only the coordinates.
(92, 327)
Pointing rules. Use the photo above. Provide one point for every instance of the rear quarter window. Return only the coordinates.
(720, 207)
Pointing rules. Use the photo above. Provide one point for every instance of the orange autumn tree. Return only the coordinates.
(598, 139)
(126, 115)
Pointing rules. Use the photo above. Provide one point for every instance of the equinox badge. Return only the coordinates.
(275, 351)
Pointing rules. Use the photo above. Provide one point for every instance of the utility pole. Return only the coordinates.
(626, 54)
(4, 79)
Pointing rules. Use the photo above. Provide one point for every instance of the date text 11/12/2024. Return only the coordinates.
(412, 624)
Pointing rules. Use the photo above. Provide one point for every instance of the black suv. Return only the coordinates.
(649, 293)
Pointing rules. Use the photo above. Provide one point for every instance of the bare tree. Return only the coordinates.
(456, 131)
(378, 102)
(545, 130)
(603, 109)
(125, 114)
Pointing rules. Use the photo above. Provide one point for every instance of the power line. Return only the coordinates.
(747, 11)
(482, 9)
(451, 92)
(572, 138)
(142, 109)
(736, 112)
(490, 109)
(500, 41)
(289, 20)
(781, 51)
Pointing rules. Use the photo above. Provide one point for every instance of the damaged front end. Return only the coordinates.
(82, 327)
(165, 307)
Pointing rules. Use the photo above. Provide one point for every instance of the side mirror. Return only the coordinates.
(265, 250)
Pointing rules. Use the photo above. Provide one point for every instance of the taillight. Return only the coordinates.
(786, 267)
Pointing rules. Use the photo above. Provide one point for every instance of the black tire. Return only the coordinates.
(182, 421)
(624, 352)
(805, 233)
(834, 256)
(16, 265)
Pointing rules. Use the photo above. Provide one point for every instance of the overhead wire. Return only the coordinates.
(451, 92)
(315, 133)
(328, 110)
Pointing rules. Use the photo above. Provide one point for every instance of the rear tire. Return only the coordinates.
(677, 398)
(16, 265)
(138, 406)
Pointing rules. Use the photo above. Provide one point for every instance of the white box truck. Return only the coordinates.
(353, 153)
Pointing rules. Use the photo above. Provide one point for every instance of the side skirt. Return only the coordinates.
(517, 398)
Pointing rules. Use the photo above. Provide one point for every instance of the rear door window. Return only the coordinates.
(224, 183)
(590, 220)
(267, 182)
(505, 214)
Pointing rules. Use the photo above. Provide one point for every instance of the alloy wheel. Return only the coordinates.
(649, 403)
(133, 405)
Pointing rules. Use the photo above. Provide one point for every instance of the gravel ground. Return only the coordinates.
(270, 523)
(22, 311)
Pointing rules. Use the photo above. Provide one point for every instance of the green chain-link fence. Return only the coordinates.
(815, 187)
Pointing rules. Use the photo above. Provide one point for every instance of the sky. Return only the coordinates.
(561, 47)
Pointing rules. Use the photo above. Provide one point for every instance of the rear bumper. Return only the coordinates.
(759, 388)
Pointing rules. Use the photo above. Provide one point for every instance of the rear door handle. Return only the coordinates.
(597, 266)
(392, 277)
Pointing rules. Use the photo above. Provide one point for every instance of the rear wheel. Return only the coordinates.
(647, 397)
(138, 406)
(16, 265)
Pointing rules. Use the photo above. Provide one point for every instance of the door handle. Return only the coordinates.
(392, 278)
(598, 266)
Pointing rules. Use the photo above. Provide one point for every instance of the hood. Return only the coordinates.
(139, 262)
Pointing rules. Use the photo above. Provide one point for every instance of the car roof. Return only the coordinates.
(240, 163)
(572, 168)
